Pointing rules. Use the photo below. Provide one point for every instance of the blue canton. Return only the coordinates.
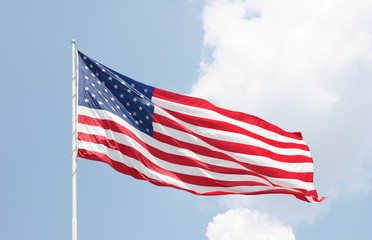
(102, 88)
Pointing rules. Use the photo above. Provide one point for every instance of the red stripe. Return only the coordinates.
(83, 153)
(176, 159)
(201, 103)
(228, 127)
(230, 146)
(261, 170)
(258, 171)
(100, 157)
(133, 153)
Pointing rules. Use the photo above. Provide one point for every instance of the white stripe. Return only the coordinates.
(205, 113)
(255, 160)
(133, 163)
(233, 137)
(194, 171)
(149, 140)
(245, 158)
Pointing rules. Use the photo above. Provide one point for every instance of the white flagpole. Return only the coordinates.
(74, 147)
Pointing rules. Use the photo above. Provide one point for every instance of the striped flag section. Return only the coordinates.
(184, 142)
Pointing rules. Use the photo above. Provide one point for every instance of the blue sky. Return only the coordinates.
(301, 65)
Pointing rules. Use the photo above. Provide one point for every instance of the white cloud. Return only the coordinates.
(285, 209)
(303, 65)
(279, 51)
(242, 224)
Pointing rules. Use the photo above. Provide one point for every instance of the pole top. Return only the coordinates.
(73, 40)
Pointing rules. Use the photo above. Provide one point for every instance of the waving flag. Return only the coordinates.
(184, 142)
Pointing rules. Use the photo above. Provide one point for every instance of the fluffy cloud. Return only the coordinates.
(303, 65)
(285, 209)
(280, 52)
(242, 223)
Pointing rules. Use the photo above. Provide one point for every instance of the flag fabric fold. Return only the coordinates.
(184, 142)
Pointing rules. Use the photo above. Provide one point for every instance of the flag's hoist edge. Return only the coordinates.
(184, 142)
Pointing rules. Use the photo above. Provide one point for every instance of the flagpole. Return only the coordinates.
(74, 147)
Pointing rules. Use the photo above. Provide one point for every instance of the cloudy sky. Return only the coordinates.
(302, 65)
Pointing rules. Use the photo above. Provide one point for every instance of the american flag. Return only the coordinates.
(184, 142)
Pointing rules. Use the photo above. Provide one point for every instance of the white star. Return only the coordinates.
(112, 99)
(110, 78)
(133, 85)
(118, 107)
(97, 63)
(134, 114)
(86, 77)
(106, 99)
(147, 130)
(103, 70)
(125, 116)
(147, 117)
(141, 121)
(85, 57)
(99, 82)
(129, 91)
(97, 74)
(113, 108)
(146, 90)
(135, 99)
(142, 96)
(136, 122)
(103, 82)
(86, 88)
(105, 90)
(116, 76)
(86, 100)
(116, 86)
(93, 85)
(93, 75)
(91, 65)
(86, 67)
(93, 95)
(148, 104)
(122, 82)
(128, 104)
(121, 95)
(100, 102)
(99, 92)
(140, 108)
